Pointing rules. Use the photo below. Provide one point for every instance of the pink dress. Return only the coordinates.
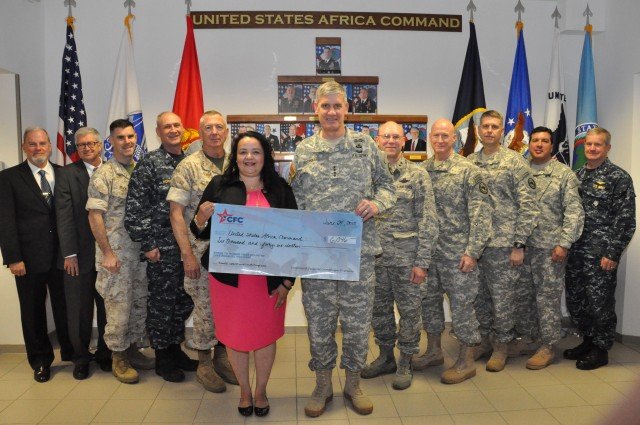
(245, 317)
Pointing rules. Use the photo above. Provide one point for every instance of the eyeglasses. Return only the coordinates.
(388, 137)
(87, 145)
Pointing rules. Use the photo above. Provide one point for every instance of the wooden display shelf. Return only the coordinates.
(319, 79)
(349, 118)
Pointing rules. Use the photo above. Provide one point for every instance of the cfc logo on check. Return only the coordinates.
(225, 217)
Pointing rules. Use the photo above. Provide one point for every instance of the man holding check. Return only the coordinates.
(340, 170)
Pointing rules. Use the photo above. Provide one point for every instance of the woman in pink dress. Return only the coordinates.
(248, 310)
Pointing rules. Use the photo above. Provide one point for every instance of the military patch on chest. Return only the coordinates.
(482, 187)
(599, 185)
(531, 182)
(359, 146)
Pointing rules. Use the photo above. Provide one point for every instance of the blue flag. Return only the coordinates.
(587, 114)
(518, 122)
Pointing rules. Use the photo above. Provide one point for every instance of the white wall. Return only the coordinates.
(419, 71)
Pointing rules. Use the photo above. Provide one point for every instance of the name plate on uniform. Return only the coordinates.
(282, 242)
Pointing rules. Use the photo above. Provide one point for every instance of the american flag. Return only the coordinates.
(71, 112)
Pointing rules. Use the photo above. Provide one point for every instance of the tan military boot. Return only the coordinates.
(433, 356)
(322, 394)
(484, 349)
(404, 375)
(139, 360)
(383, 365)
(498, 358)
(463, 369)
(121, 368)
(542, 358)
(222, 366)
(206, 375)
(352, 392)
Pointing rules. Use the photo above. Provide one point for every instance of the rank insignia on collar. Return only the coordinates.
(483, 188)
(531, 182)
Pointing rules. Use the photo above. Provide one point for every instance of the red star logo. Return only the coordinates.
(223, 215)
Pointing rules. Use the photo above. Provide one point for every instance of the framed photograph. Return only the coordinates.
(328, 56)
(370, 129)
(272, 133)
(291, 134)
(237, 128)
(309, 98)
(365, 98)
(415, 137)
(290, 98)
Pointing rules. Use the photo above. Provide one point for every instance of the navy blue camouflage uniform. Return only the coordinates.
(608, 199)
(147, 221)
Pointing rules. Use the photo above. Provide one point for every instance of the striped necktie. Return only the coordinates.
(46, 188)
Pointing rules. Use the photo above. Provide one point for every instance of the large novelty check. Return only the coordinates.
(281, 242)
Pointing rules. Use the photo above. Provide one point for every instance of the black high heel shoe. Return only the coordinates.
(246, 411)
(261, 411)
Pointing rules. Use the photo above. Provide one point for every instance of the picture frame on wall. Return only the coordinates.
(291, 134)
(365, 98)
(272, 133)
(370, 129)
(290, 98)
(309, 99)
(328, 56)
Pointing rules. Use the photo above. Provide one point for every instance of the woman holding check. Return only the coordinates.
(248, 310)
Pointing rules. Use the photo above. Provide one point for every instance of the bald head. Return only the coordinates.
(442, 138)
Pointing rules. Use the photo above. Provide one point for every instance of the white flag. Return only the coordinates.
(554, 117)
(125, 97)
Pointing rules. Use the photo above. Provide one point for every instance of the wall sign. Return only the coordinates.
(327, 20)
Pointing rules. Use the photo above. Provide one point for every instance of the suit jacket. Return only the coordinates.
(28, 224)
(420, 146)
(72, 218)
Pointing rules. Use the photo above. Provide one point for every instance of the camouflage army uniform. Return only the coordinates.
(463, 207)
(125, 292)
(407, 234)
(189, 179)
(147, 221)
(515, 215)
(559, 224)
(609, 204)
(336, 176)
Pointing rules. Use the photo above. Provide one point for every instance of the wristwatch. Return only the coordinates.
(518, 245)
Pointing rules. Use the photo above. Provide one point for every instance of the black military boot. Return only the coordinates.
(580, 351)
(594, 359)
(166, 366)
(182, 360)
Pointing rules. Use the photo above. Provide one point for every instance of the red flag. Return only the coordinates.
(188, 102)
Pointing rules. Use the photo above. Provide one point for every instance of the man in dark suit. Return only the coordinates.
(415, 143)
(29, 244)
(290, 142)
(78, 249)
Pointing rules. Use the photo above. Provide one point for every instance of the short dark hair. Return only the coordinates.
(268, 174)
(542, 129)
(120, 123)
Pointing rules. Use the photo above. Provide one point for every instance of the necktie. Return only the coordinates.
(46, 187)
(413, 145)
